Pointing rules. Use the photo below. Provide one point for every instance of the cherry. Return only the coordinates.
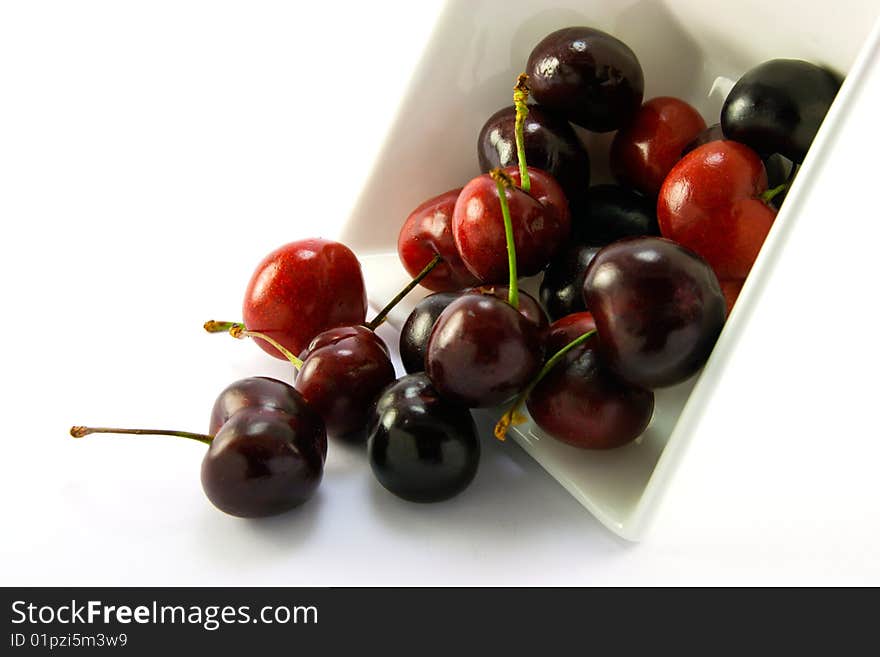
(714, 202)
(301, 289)
(590, 77)
(417, 328)
(658, 309)
(478, 227)
(428, 232)
(778, 106)
(343, 372)
(581, 402)
(644, 151)
(550, 145)
(566, 329)
(265, 393)
(267, 455)
(421, 447)
(482, 351)
(561, 289)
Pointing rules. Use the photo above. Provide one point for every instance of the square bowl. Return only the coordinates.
(689, 49)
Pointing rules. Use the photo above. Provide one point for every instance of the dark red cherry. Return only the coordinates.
(550, 142)
(266, 448)
(301, 289)
(613, 212)
(482, 351)
(646, 149)
(478, 228)
(582, 403)
(566, 329)
(421, 447)
(428, 232)
(263, 462)
(417, 328)
(562, 288)
(269, 394)
(658, 309)
(343, 372)
(588, 76)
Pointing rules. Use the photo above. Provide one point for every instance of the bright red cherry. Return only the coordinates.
(539, 230)
(343, 372)
(428, 232)
(711, 203)
(644, 152)
(301, 289)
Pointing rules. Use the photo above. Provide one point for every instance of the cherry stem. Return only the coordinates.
(82, 432)
(213, 326)
(512, 415)
(376, 322)
(520, 96)
(503, 182)
(770, 194)
(240, 332)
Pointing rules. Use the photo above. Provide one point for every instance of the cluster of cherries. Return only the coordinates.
(638, 280)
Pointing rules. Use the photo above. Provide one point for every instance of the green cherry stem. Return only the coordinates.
(82, 432)
(503, 182)
(770, 194)
(238, 330)
(520, 96)
(512, 416)
(376, 322)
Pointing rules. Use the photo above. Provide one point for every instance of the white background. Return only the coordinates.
(152, 153)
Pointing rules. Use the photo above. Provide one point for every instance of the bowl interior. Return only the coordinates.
(690, 49)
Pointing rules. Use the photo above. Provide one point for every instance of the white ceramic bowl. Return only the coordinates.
(687, 48)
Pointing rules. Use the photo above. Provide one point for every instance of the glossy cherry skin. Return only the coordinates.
(590, 77)
(645, 150)
(273, 395)
(427, 232)
(478, 227)
(582, 403)
(551, 145)
(301, 289)
(658, 309)
(778, 168)
(418, 326)
(417, 329)
(710, 203)
(562, 287)
(565, 329)
(613, 212)
(344, 370)
(421, 447)
(482, 352)
(528, 305)
(731, 290)
(263, 460)
(544, 188)
(778, 106)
